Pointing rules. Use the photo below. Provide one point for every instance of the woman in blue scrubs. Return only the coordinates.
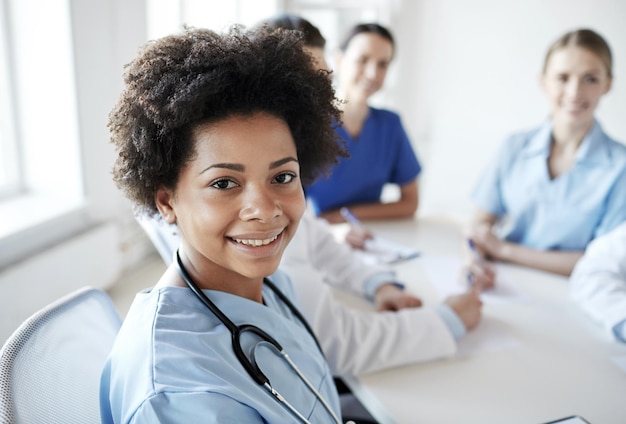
(380, 150)
(214, 133)
(553, 189)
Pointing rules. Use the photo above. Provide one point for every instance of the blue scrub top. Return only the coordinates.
(381, 154)
(564, 213)
(173, 361)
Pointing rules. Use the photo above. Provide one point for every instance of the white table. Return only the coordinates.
(561, 366)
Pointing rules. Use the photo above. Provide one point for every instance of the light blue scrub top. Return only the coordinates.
(173, 362)
(564, 213)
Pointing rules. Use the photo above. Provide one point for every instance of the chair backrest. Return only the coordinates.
(50, 366)
(163, 236)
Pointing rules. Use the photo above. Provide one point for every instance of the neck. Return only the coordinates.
(212, 279)
(570, 135)
(353, 116)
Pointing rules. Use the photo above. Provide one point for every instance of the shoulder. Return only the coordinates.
(616, 150)
(525, 143)
(600, 149)
(526, 138)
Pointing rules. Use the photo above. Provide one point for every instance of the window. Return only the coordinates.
(41, 179)
(167, 16)
(9, 158)
(332, 17)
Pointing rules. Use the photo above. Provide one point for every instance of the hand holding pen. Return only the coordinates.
(480, 274)
(358, 235)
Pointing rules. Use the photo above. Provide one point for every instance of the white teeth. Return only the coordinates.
(256, 242)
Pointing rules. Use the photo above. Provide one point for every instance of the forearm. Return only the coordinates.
(357, 342)
(558, 262)
(375, 211)
(404, 207)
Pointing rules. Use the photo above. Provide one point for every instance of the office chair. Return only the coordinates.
(50, 366)
(163, 236)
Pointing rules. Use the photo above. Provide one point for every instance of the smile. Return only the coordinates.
(255, 243)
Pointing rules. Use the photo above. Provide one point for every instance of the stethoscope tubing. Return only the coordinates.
(251, 367)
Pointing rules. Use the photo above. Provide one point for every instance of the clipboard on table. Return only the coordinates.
(386, 251)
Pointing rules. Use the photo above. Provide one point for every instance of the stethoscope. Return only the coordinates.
(251, 365)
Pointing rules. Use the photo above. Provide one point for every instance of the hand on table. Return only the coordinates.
(389, 297)
(487, 244)
(467, 306)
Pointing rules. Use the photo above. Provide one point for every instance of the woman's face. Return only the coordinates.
(238, 202)
(574, 80)
(363, 66)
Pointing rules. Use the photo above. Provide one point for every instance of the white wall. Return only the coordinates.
(468, 76)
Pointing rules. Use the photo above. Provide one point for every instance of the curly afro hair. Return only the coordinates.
(181, 81)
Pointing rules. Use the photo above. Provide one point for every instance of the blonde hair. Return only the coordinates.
(586, 39)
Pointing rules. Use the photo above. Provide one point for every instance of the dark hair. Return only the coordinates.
(368, 28)
(586, 39)
(312, 35)
(181, 81)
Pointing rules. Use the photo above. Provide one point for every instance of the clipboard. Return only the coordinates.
(386, 251)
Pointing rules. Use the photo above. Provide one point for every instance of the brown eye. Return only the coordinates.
(223, 184)
(285, 178)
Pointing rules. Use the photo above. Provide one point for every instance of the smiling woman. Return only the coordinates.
(563, 184)
(237, 203)
(217, 133)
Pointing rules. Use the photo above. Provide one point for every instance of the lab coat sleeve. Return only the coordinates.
(337, 263)
(357, 342)
(598, 281)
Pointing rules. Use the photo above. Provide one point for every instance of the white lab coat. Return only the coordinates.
(356, 342)
(598, 281)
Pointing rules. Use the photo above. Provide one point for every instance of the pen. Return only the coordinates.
(349, 217)
(476, 256)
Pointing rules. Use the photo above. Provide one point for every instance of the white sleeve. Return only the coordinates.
(357, 342)
(335, 262)
(598, 281)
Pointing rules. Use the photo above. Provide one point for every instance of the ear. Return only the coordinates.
(163, 198)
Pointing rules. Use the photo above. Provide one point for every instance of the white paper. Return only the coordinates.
(383, 250)
(444, 274)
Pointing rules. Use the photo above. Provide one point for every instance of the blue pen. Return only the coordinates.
(349, 217)
(476, 256)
